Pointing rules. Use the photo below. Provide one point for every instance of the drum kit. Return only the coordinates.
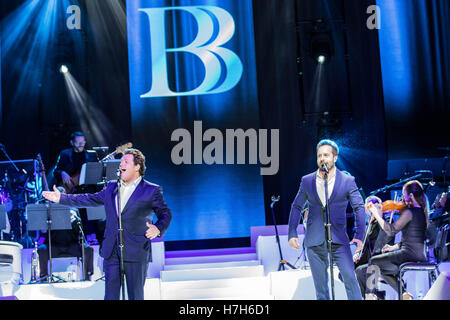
(20, 185)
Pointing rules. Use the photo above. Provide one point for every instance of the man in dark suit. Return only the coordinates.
(138, 200)
(341, 189)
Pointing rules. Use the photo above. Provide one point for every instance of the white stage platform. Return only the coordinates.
(225, 274)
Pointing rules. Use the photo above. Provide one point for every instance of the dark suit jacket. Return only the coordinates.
(344, 190)
(146, 199)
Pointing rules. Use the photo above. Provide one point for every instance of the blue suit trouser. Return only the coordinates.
(318, 258)
(135, 276)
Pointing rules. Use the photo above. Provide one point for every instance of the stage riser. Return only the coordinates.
(252, 289)
(211, 259)
(285, 285)
(212, 265)
(212, 273)
(64, 264)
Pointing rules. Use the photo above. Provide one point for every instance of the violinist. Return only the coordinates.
(413, 221)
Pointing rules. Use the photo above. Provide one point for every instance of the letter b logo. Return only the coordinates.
(207, 49)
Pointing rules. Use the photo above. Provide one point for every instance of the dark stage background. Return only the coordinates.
(383, 95)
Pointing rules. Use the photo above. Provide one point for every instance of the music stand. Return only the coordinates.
(91, 173)
(98, 173)
(96, 213)
(111, 167)
(50, 216)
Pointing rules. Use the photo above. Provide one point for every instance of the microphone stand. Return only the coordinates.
(121, 246)
(282, 261)
(50, 278)
(82, 243)
(384, 189)
(328, 230)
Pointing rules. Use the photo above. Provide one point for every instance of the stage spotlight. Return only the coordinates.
(321, 42)
(321, 59)
(63, 69)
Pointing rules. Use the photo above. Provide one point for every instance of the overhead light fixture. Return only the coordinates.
(63, 69)
(321, 42)
(321, 59)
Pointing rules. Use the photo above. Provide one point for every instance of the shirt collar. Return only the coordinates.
(135, 183)
(321, 179)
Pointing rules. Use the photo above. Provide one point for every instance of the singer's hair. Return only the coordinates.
(416, 188)
(76, 134)
(330, 143)
(138, 158)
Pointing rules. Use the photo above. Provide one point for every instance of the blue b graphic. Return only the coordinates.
(207, 46)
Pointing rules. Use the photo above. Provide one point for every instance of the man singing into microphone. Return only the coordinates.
(341, 189)
(138, 200)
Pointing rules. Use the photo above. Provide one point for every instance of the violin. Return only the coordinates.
(391, 205)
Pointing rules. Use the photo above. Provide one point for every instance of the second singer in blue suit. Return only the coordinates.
(138, 200)
(342, 189)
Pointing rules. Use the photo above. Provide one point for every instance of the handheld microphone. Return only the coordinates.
(324, 167)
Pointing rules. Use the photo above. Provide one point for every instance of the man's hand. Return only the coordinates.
(294, 243)
(66, 178)
(152, 231)
(358, 244)
(375, 210)
(54, 196)
(388, 248)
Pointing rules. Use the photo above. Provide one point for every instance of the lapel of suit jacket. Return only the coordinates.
(114, 199)
(314, 189)
(134, 195)
(337, 185)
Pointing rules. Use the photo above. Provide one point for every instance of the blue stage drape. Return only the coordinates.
(415, 59)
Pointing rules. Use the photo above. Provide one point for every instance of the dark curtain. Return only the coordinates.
(415, 56)
(360, 133)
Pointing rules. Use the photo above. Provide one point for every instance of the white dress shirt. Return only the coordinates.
(320, 186)
(126, 191)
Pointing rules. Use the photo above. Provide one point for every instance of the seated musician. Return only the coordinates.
(440, 205)
(413, 221)
(67, 173)
(66, 243)
(377, 242)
